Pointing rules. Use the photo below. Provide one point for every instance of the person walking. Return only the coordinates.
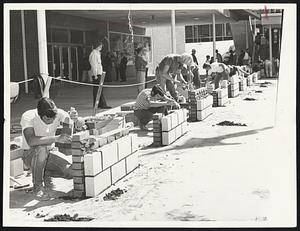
(96, 73)
(123, 66)
(219, 57)
(194, 57)
(140, 65)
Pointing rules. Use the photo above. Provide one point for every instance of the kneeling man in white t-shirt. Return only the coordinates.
(38, 130)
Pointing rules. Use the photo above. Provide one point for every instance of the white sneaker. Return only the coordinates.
(41, 193)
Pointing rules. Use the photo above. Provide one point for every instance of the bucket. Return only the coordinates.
(14, 91)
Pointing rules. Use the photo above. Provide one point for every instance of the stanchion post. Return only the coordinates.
(99, 93)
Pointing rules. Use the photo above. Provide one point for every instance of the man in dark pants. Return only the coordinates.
(147, 103)
(123, 65)
(96, 72)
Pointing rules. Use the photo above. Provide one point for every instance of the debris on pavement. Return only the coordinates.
(114, 194)
(230, 123)
(258, 92)
(67, 217)
(263, 85)
(250, 99)
(38, 215)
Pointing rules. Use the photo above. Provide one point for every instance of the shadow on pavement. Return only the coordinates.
(196, 142)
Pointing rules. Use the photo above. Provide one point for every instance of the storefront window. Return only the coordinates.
(76, 36)
(59, 35)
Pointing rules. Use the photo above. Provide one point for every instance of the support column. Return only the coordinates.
(247, 41)
(24, 50)
(42, 42)
(107, 32)
(173, 32)
(270, 47)
(214, 35)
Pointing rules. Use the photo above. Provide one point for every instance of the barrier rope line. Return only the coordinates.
(24, 81)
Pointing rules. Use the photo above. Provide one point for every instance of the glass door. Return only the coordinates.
(65, 62)
(74, 64)
(56, 61)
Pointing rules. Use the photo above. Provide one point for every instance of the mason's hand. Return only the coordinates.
(64, 138)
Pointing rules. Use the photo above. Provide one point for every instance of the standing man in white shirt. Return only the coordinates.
(96, 72)
(38, 130)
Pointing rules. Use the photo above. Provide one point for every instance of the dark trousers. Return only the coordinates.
(117, 73)
(123, 73)
(146, 75)
(102, 101)
(145, 115)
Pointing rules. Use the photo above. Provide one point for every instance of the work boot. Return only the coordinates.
(48, 183)
(41, 193)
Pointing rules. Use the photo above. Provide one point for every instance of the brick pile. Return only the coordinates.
(233, 89)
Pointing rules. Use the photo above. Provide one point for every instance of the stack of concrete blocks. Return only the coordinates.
(200, 104)
(233, 89)
(220, 95)
(111, 156)
(167, 129)
(16, 162)
(249, 80)
(243, 84)
(129, 117)
(255, 77)
(173, 126)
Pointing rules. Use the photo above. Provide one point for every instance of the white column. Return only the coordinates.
(173, 32)
(270, 47)
(247, 41)
(107, 31)
(24, 50)
(214, 35)
(42, 42)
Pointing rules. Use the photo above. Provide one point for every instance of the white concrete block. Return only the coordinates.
(92, 164)
(201, 115)
(118, 171)
(200, 104)
(209, 100)
(132, 162)
(184, 128)
(185, 114)
(97, 184)
(178, 132)
(166, 123)
(109, 154)
(16, 167)
(134, 142)
(124, 147)
(174, 119)
(168, 137)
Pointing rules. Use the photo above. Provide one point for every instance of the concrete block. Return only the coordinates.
(168, 137)
(78, 144)
(124, 147)
(97, 184)
(180, 116)
(16, 167)
(17, 153)
(132, 162)
(174, 119)
(67, 130)
(178, 132)
(201, 115)
(118, 171)
(94, 132)
(79, 136)
(109, 154)
(90, 125)
(78, 194)
(185, 114)
(92, 163)
(166, 123)
(200, 104)
(66, 151)
(134, 142)
(184, 128)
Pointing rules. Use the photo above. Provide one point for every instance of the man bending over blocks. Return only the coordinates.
(38, 131)
(151, 101)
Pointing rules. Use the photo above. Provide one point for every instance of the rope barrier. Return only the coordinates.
(108, 86)
(24, 81)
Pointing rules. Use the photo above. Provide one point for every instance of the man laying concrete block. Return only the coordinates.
(38, 130)
(151, 101)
